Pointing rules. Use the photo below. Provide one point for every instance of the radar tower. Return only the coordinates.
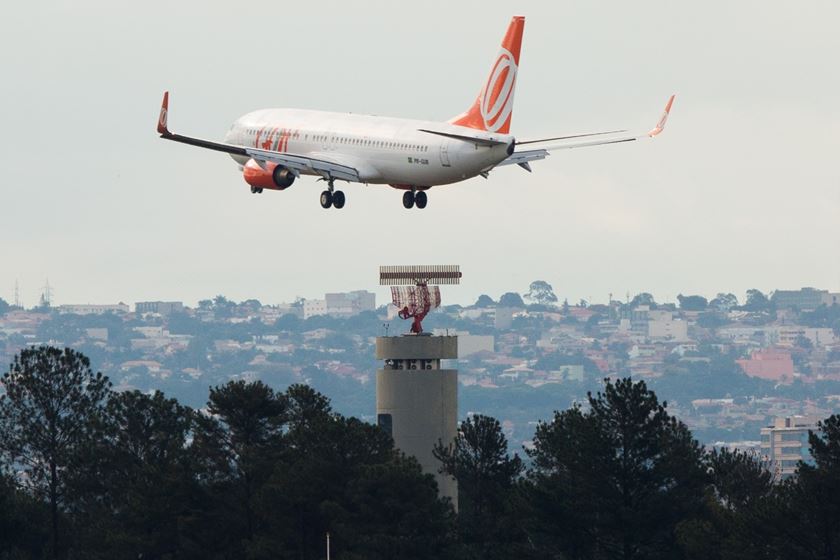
(410, 290)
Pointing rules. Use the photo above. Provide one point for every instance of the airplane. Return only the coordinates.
(274, 147)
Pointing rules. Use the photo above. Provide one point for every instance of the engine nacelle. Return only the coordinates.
(282, 177)
(274, 177)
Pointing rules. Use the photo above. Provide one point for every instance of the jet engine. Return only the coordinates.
(282, 177)
(275, 177)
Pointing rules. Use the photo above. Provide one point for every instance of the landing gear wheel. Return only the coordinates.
(253, 190)
(338, 199)
(326, 199)
(259, 190)
(408, 199)
(421, 199)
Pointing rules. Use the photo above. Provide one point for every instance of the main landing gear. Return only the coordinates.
(332, 197)
(256, 190)
(412, 198)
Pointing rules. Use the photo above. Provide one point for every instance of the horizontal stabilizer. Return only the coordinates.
(463, 137)
(518, 143)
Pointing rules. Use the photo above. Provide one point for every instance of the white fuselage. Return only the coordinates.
(384, 150)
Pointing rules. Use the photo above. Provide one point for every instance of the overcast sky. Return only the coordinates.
(742, 191)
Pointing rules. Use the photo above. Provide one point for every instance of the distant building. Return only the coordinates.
(791, 335)
(313, 307)
(567, 373)
(350, 303)
(663, 325)
(93, 309)
(770, 363)
(504, 318)
(805, 298)
(469, 344)
(785, 443)
(638, 318)
(98, 333)
(159, 307)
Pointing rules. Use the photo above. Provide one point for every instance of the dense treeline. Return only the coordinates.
(93, 473)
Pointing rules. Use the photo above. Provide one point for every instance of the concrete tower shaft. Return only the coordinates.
(417, 401)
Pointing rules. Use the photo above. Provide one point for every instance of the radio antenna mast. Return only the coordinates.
(411, 292)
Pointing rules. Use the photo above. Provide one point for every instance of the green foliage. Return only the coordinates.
(712, 320)
(692, 303)
(757, 301)
(643, 299)
(318, 485)
(134, 483)
(23, 523)
(4, 306)
(266, 474)
(394, 512)
(823, 316)
(718, 377)
(541, 292)
(238, 444)
(617, 478)
(52, 403)
(478, 459)
(484, 301)
(511, 299)
(724, 302)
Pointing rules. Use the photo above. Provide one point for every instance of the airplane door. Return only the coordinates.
(444, 154)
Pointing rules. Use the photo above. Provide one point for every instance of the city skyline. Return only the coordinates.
(383, 296)
(740, 192)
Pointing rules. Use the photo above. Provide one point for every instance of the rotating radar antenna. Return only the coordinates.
(411, 292)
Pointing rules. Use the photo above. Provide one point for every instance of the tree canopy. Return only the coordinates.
(541, 292)
(617, 478)
(511, 299)
(484, 301)
(692, 303)
(51, 404)
(259, 473)
(643, 299)
(757, 301)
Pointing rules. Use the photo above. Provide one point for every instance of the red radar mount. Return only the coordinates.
(410, 290)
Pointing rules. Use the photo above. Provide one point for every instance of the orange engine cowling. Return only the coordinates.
(273, 176)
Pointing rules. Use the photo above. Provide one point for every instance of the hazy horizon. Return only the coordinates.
(741, 191)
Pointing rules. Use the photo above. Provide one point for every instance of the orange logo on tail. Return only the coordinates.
(496, 101)
(164, 115)
(493, 108)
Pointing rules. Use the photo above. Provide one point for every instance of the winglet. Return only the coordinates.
(660, 126)
(162, 128)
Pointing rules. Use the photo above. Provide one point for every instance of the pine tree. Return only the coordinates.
(487, 477)
(614, 481)
(52, 403)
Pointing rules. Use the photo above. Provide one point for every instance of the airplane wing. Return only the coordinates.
(297, 163)
(523, 157)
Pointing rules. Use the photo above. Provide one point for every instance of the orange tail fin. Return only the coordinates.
(493, 108)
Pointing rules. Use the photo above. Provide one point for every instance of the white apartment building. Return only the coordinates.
(93, 309)
(785, 443)
(350, 303)
(313, 307)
